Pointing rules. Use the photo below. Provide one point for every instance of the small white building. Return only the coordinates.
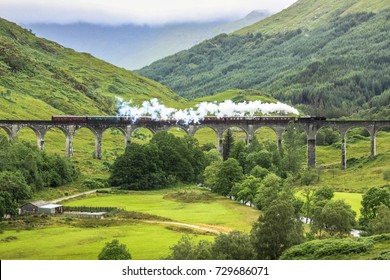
(51, 208)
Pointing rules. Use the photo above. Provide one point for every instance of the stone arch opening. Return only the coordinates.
(28, 134)
(265, 134)
(207, 137)
(226, 144)
(296, 141)
(238, 133)
(382, 136)
(55, 141)
(5, 132)
(84, 141)
(141, 135)
(113, 143)
(358, 144)
(178, 131)
(328, 141)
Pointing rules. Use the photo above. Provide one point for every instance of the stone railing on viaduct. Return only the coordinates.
(311, 126)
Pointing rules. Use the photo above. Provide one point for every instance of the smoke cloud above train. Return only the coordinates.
(226, 108)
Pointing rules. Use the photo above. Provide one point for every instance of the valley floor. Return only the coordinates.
(163, 221)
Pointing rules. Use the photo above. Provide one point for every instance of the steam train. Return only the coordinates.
(205, 120)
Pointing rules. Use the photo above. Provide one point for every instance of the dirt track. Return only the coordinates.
(203, 228)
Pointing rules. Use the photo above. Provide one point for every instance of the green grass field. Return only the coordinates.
(61, 242)
(65, 238)
(219, 213)
(353, 199)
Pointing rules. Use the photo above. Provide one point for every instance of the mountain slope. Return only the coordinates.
(308, 14)
(39, 78)
(334, 65)
(134, 46)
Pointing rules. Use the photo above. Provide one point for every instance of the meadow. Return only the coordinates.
(72, 238)
(217, 212)
(62, 242)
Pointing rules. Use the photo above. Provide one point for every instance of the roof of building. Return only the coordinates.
(50, 206)
(38, 203)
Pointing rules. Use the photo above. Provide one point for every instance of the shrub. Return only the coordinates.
(320, 249)
(114, 251)
(189, 196)
(386, 175)
(94, 183)
(383, 255)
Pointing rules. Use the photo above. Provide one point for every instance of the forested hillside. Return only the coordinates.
(39, 78)
(330, 59)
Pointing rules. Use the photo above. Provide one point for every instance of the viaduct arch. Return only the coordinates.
(311, 127)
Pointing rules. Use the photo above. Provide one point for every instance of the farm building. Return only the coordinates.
(41, 206)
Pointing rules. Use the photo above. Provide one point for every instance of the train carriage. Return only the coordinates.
(74, 119)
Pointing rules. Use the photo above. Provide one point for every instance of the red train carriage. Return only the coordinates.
(69, 119)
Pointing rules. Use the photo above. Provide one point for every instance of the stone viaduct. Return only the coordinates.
(311, 127)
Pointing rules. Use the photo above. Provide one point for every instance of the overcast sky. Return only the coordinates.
(115, 12)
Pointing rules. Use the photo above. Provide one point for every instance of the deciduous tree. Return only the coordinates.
(268, 191)
(114, 251)
(15, 184)
(230, 172)
(336, 217)
(246, 190)
(277, 229)
(372, 199)
(235, 245)
(381, 223)
(139, 168)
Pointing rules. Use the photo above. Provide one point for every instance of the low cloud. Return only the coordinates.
(116, 12)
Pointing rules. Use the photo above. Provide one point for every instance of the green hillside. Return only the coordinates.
(309, 14)
(236, 95)
(331, 58)
(39, 78)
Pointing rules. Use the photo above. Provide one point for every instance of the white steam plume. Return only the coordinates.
(227, 108)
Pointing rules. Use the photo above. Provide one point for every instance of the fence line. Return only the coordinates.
(91, 209)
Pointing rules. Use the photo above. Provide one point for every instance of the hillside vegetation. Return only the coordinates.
(331, 58)
(39, 78)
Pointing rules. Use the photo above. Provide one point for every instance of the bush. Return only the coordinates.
(189, 196)
(320, 249)
(386, 175)
(94, 183)
(186, 249)
(383, 255)
(114, 251)
(309, 176)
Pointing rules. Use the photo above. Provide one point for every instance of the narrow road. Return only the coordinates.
(184, 225)
(72, 196)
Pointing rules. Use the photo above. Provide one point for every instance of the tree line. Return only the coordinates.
(165, 160)
(278, 232)
(24, 169)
